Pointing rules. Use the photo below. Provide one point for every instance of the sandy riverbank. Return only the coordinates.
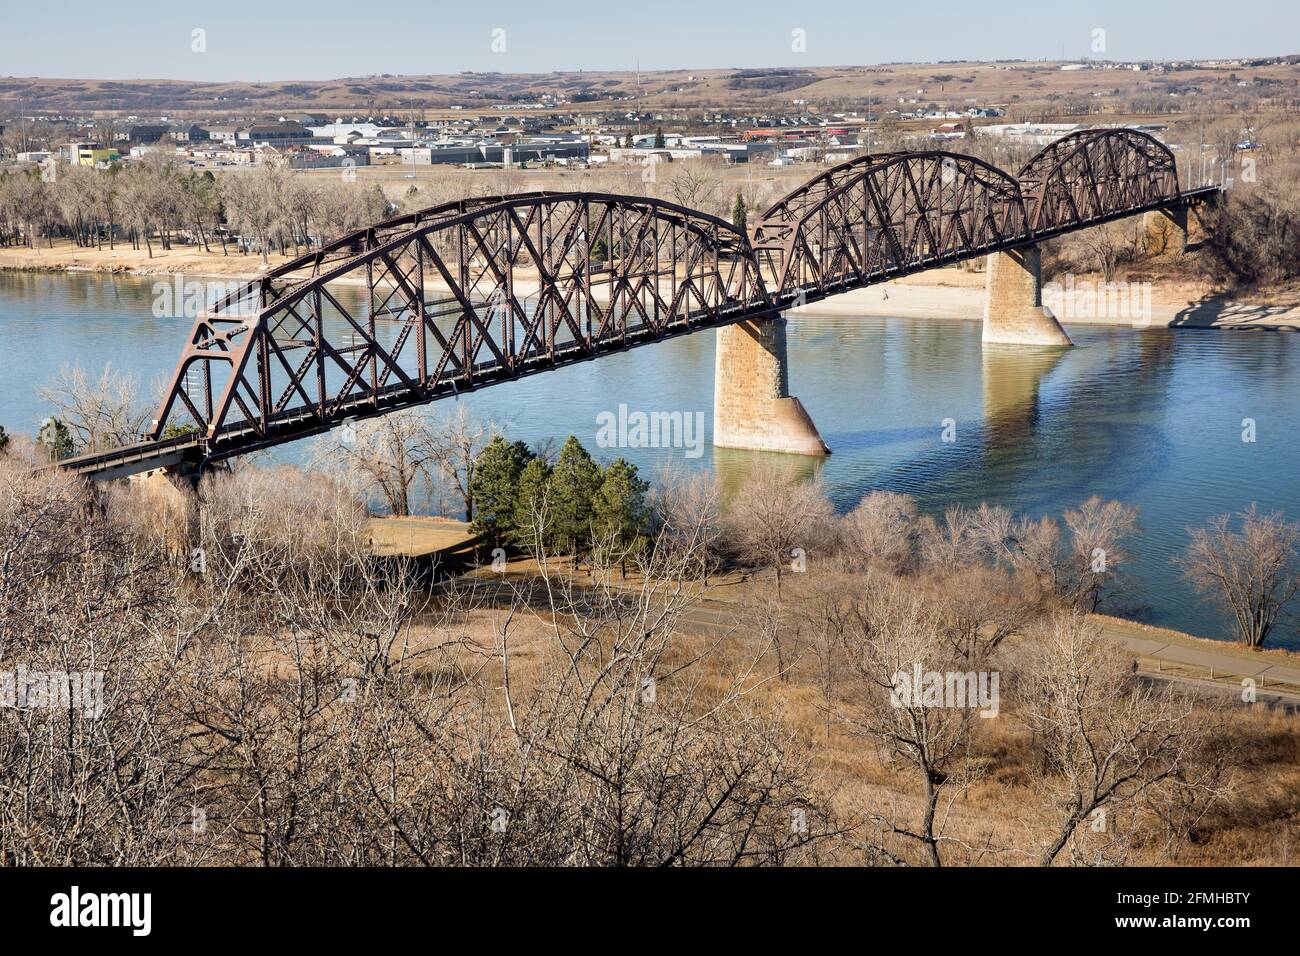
(954, 293)
(193, 261)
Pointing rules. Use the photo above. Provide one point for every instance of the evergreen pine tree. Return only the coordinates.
(659, 138)
(573, 485)
(532, 504)
(56, 439)
(738, 213)
(619, 512)
(495, 489)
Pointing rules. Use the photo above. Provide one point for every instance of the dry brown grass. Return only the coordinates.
(1000, 818)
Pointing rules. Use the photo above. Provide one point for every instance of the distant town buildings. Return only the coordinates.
(518, 134)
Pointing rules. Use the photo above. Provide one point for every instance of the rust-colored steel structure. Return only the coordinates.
(478, 291)
(523, 283)
(882, 219)
(1088, 175)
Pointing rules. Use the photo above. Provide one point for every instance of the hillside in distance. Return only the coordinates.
(773, 88)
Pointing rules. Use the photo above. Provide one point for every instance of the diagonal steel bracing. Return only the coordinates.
(477, 291)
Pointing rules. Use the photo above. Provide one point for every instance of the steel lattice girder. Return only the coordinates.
(890, 217)
(1095, 173)
(477, 291)
(792, 206)
(523, 282)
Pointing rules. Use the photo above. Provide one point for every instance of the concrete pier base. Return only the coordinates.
(752, 406)
(1165, 231)
(1014, 313)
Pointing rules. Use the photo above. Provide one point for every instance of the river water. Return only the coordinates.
(1153, 418)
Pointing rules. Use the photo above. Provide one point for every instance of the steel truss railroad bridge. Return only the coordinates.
(478, 291)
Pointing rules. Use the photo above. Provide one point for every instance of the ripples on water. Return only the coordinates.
(1153, 418)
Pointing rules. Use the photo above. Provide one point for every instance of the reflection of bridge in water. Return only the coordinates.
(479, 291)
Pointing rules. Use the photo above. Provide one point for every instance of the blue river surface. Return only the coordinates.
(1153, 418)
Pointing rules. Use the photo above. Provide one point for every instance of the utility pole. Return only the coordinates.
(1200, 148)
(412, 129)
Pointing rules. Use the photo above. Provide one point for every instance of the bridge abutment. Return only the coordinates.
(1014, 313)
(752, 406)
(170, 481)
(1165, 231)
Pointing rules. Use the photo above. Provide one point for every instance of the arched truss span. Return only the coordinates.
(1096, 174)
(904, 212)
(451, 299)
(485, 289)
(793, 205)
(259, 293)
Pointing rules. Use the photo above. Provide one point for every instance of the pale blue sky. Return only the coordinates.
(288, 39)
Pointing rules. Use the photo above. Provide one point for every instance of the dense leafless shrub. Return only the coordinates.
(777, 520)
(156, 512)
(104, 785)
(881, 532)
(1252, 234)
(283, 520)
(287, 699)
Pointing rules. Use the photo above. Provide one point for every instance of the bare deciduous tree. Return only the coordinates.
(889, 636)
(1106, 737)
(642, 764)
(255, 203)
(102, 413)
(695, 184)
(774, 515)
(965, 536)
(1098, 530)
(979, 606)
(686, 510)
(391, 456)
(1250, 574)
(455, 442)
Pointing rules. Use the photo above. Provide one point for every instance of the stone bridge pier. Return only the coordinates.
(1014, 313)
(752, 404)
